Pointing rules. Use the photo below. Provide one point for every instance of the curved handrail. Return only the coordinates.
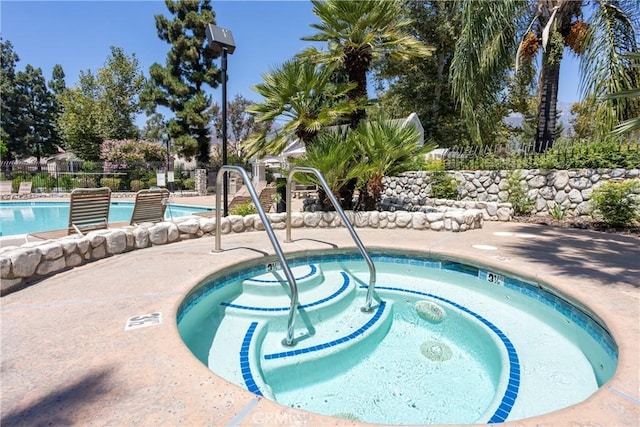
(372, 269)
(289, 340)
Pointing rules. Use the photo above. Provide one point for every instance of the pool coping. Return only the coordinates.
(104, 374)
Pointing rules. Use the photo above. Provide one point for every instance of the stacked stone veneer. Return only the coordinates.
(570, 189)
(21, 265)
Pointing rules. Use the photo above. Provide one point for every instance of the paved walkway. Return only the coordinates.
(66, 358)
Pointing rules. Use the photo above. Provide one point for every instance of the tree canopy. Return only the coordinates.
(29, 109)
(497, 36)
(102, 105)
(305, 95)
(359, 32)
(180, 84)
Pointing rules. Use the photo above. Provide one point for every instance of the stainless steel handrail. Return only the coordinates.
(289, 340)
(372, 269)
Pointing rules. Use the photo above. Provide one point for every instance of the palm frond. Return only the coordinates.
(605, 66)
(483, 54)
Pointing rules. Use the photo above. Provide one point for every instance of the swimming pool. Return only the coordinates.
(503, 350)
(30, 217)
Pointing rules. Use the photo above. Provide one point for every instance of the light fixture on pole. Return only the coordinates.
(221, 39)
(165, 139)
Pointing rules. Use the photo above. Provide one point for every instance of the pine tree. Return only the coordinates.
(57, 85)
(8, 107)
(37, 112)
(179, 85)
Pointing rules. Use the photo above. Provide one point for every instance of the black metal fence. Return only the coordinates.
(64, 176)
(560, 156)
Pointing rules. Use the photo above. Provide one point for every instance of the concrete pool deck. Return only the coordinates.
(66, 358)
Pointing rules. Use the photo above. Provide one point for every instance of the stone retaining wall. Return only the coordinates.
(23, 265)
(570, 189)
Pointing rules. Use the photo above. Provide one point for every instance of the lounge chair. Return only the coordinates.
(150, 206)
(6, 187)
(89, 209)
(25, 189)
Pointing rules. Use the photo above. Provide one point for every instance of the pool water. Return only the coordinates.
(493, 349)
(30, 217)
(398, 381)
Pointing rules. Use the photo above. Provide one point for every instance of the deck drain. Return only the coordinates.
(143, 321)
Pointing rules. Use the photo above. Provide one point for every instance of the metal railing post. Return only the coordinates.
(368, 305)
(289, 339)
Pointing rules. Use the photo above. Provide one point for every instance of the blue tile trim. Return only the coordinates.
(573, 313)
(343, 288)
(311, 273)
(245, 368)
(511, 393)
(580, 318)
(329, 344)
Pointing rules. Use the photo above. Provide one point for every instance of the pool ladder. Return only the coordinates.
(289, 339)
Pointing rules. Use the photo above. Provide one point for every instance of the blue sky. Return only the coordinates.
(78, 34)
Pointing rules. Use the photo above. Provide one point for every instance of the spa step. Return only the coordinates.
(354, 332)
(241, 337)
(335, 292)
(275, 282)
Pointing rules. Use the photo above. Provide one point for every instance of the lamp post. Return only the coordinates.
(165, 139)
(221, 39)
(32, 129)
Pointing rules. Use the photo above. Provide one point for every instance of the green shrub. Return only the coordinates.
(616, 204)
(557, 212)
(518, 197)
(152, 182)
(443, 186)
(15, 184)
(45, 181)
(606, 153)
(66, 182)
(112, 183)
(136, 185)
(85, 181)
(89, 166)
(189, 184)
(244, 209)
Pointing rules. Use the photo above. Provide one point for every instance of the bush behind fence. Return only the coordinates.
(62, 177)
(606, 155)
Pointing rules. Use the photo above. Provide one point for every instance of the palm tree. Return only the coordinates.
(384, 148)
(494, 33)
(332, 153)
(361, 157)
(358, 32)
(632, 124)
(305, 95)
